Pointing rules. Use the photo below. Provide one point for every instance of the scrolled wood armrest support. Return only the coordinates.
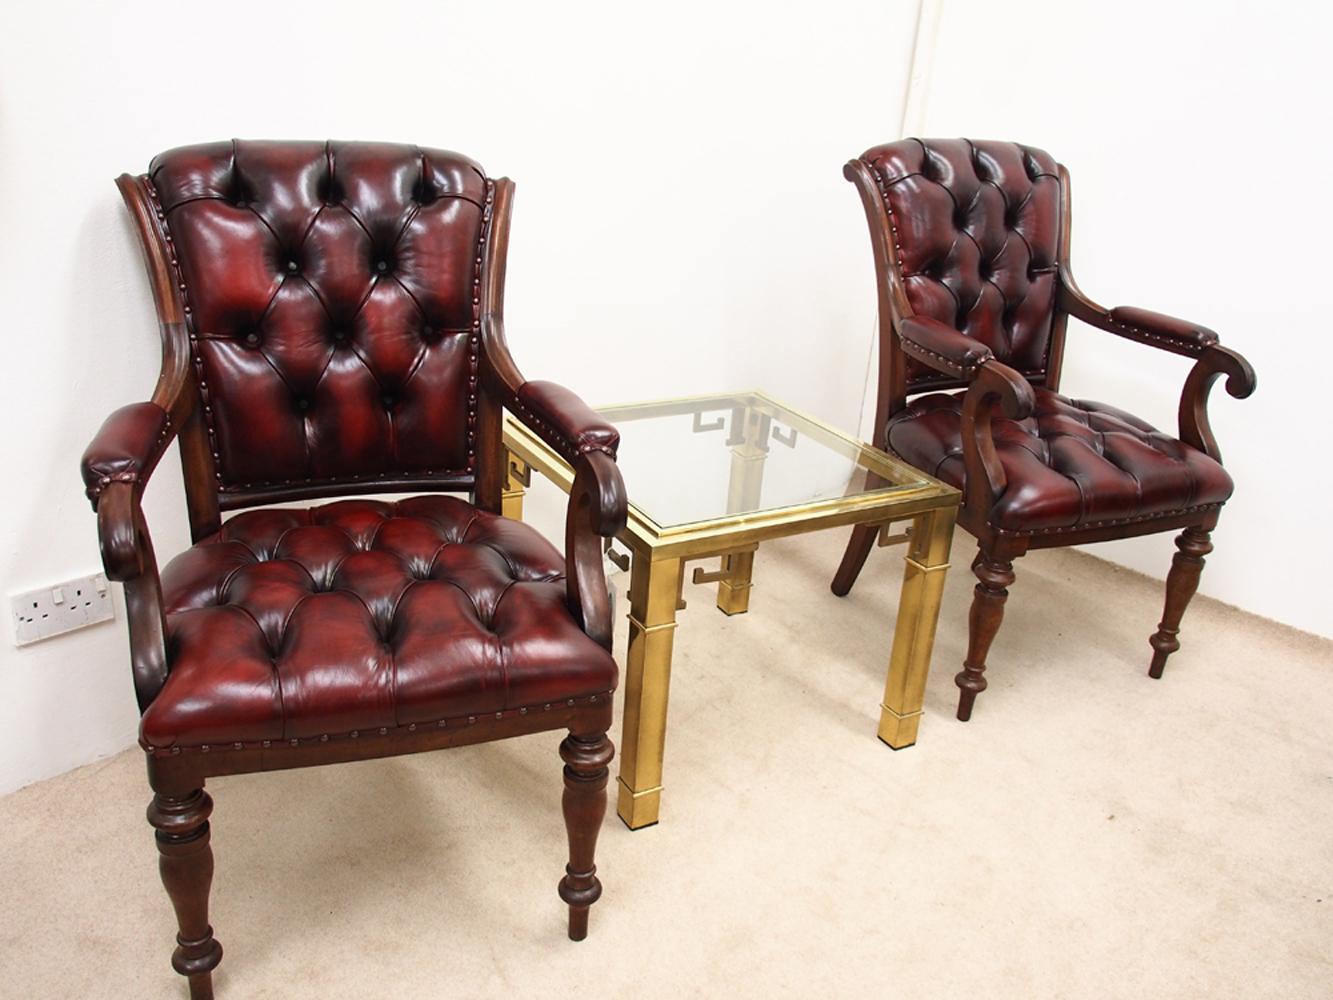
(120, 531)
(993, 384)
(127, 554)
(990, 383)
(597, 510)
(597, 501)
(1215, 362)
(1179, 337)
(116, 467)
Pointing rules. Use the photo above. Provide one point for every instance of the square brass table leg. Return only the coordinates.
(653, 590)
(733, 589)
(914, 635)
(749, 440)
(517, 476)
(732, 579)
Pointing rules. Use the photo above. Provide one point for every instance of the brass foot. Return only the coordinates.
(638, 809)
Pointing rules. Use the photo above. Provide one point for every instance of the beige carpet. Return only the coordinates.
(1091, 833)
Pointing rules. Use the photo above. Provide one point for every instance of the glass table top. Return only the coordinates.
(688, 461)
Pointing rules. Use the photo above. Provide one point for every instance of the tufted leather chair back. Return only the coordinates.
(331, 299)
(976, 232)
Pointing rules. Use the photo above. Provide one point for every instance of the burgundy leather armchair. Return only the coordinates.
(332, 324)
(971, 245)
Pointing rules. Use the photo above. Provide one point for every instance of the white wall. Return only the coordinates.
(1197, 136)
(681, 225)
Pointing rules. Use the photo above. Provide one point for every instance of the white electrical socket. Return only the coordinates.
(64, 607)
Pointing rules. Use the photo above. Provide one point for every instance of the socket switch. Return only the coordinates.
(64, 607)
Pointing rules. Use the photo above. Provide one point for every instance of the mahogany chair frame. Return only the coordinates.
(180, 808)
(992, 385)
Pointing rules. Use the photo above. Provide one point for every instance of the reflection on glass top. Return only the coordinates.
(692, 460)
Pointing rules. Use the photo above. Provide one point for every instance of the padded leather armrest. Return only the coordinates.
(942, 347)
(1159, 329)
(116, 465)
(575, 424)
(559, 417)
(597, 502)
(1154, 329)
(126, 449)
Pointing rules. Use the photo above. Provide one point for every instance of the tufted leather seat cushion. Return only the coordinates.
(1072, 464)
(296, 623)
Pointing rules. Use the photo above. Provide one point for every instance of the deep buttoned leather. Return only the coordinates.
(976, 230)
(296, 623)
(332, 304)
(1072, 464)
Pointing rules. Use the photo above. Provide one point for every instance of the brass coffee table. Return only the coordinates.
(715, 476)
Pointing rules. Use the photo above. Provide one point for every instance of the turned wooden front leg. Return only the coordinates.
(586, 760)
(653, 592)
(993, 579)
(1193, 544)
(927, 561)
(186, 864)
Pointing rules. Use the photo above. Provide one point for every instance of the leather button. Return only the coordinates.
(292, 266)
(340, 337)
(389, 399)
(252, 339)
(381, 266)
(302, 404)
